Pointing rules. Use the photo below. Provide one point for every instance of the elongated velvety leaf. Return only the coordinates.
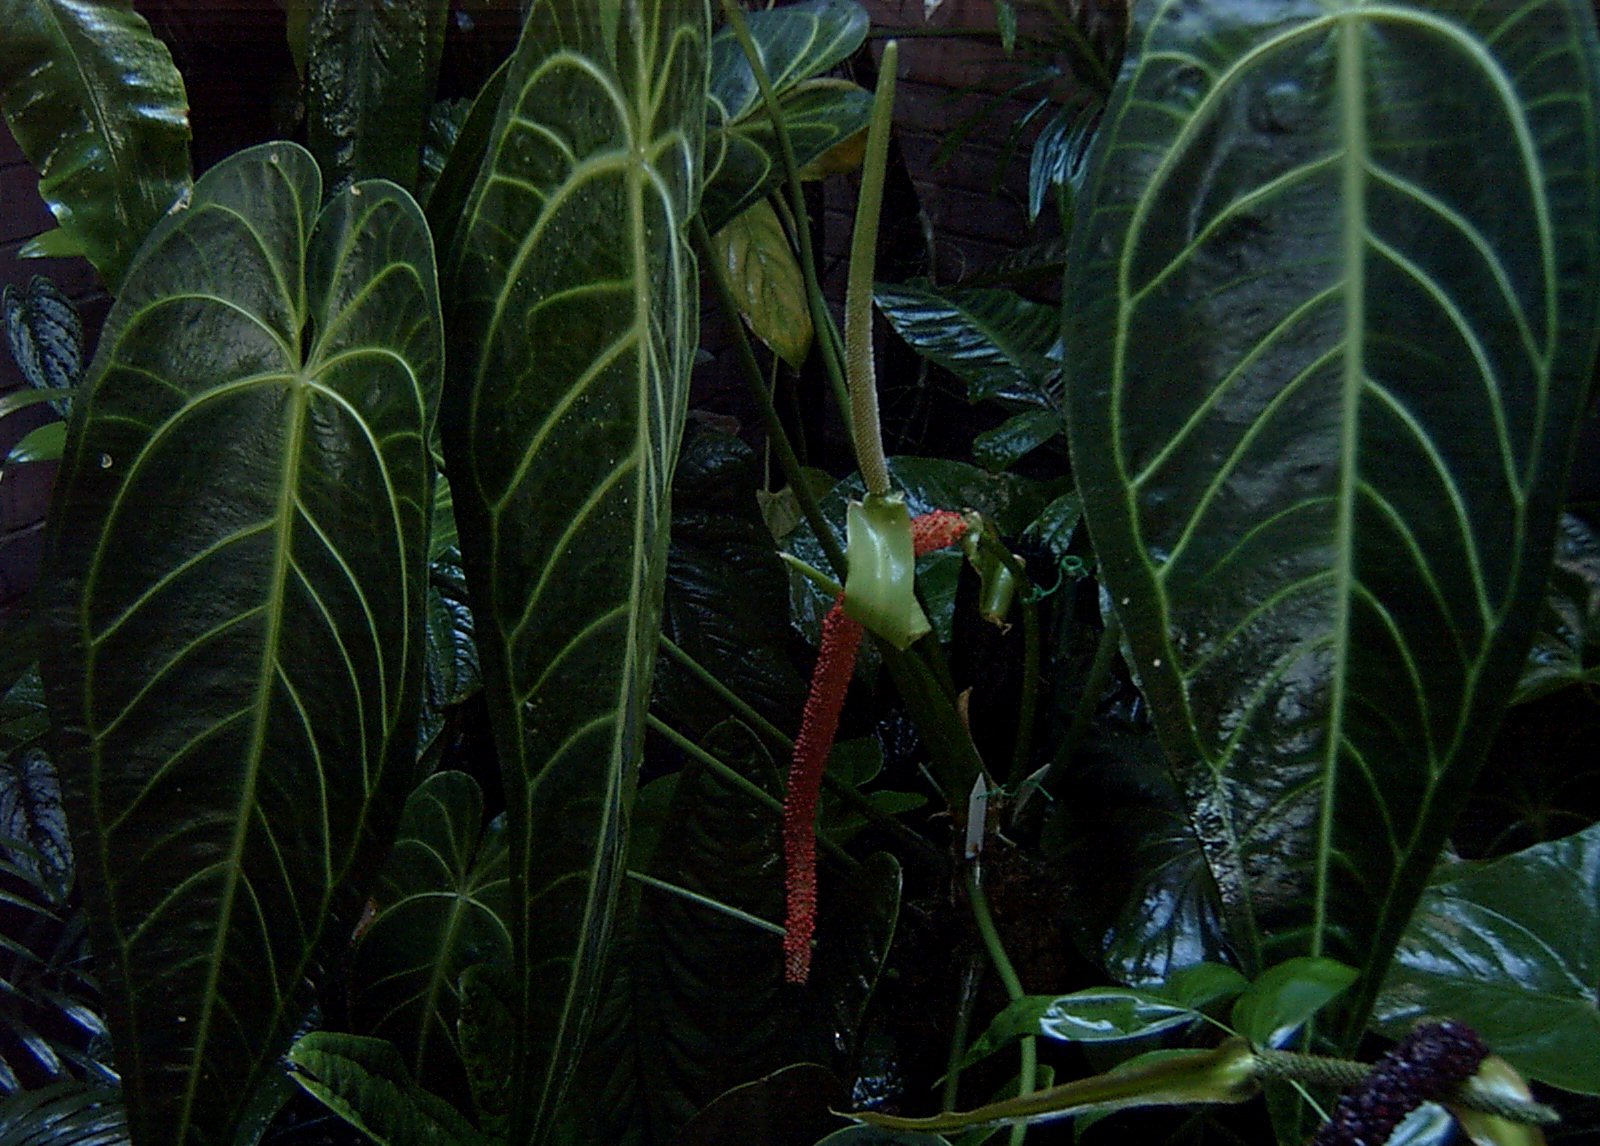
(443, 905)
(370, 72)
(573, 332)
(795, 43)
(1331, 313)
(1512, 948)
(98, 107)
(237, 688)
(997, 342)
(820, 115)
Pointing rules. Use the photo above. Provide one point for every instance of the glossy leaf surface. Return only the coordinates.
(1331, 313)
(1512, 948)
(1094, 1015)
(443, 905)
(41, 444)
(370, 71)
(66, 1114)
(1016, 438)
(451, 672)
(1157, 911)
(997, 342)
(573, 331)
(237, 690)
(96, 104)
(1284, 998)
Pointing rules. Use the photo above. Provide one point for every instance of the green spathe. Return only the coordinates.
(878, 591)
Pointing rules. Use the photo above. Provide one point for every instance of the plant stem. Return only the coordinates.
(1099, 674)
(765, 799)
(827, 332)
(860, 372)
(1028, 702)
(967, 996)
(776, 435)
(705, 901)
(1028, 1076)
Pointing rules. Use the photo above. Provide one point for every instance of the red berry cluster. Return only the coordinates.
(1427, 1063)
(819, 722)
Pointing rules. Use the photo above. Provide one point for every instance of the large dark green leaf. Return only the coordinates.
(727, 592)
(442, 907)
(451, 673)
(1155, 910)
(1331, 312)
(818, 115)
(66, 1114)
(708, 987)
(997, 342)
(573, 332)
(370, 72)
(795, 43)
(694, 1003)
(98, 107)
(234, 656)
(366, 1083)
(1511, 947)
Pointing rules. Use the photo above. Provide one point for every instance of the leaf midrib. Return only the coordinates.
(1353, 132)
(299, 397)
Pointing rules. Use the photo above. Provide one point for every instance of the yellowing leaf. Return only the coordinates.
(766, 280)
